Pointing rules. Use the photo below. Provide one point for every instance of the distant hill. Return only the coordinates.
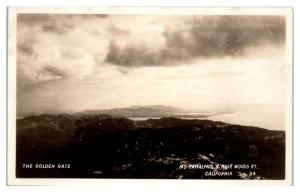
(149, 111)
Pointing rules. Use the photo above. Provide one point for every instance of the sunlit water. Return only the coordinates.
(272, 119)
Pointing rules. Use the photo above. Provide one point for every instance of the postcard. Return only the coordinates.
(106, 94)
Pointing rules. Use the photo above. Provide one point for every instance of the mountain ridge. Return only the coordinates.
(149, 111)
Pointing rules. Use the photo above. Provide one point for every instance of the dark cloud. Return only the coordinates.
(56, 23)
(26, 47)
(203, 37)
(38, 18)
(33, 19)
(53, 71)
(132, 56)
(212, 36)
(59, 28)
(90, 16)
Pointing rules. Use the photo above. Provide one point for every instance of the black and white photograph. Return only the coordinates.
(161, 93)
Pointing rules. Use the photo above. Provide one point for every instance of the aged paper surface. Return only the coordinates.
(99, 95)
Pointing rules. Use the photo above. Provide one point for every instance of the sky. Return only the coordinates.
(74, 62)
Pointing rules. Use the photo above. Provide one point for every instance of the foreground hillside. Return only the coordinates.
(103, 146)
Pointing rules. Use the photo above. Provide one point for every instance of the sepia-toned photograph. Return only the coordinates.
(150, 93)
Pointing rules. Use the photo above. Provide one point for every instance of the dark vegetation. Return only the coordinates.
(104, 146)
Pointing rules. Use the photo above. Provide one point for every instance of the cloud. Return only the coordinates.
(54, 71)
(75, 45)
(38, 19)
(132, 56)
(52, 46)
(55, 28)
(59, 23)
(217, 36)
(200, 37)
(117, 31)
(92, 16)
(56, 23)
(32, 19)
(26, 47)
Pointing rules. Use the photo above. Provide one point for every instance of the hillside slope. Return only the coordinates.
(104, 146)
